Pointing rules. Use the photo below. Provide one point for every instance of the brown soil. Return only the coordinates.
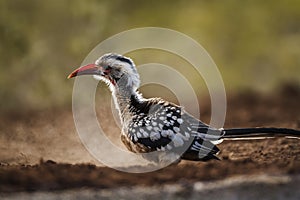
(43, 152)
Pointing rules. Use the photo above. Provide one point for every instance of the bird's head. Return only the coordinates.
(114, 69)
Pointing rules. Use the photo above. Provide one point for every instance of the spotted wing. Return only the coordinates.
(160, 128)
(167, 127)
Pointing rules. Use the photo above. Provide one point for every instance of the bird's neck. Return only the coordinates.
(123, 99)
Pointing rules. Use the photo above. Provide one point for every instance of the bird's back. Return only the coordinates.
(157, 125)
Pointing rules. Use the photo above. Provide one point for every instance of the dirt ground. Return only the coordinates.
(41, 152)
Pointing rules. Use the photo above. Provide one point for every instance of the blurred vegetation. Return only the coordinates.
(255, 43)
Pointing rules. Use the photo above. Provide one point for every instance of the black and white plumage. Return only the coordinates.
(157, 125)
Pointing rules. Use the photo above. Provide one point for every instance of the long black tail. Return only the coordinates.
(259, 132)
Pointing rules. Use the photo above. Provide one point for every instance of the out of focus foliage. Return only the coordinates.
(254, 43)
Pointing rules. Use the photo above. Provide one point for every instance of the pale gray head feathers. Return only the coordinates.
(122, 71)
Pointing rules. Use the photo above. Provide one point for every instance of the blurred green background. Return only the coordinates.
(255, 44)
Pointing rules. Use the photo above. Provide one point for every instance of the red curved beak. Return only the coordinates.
(89, 69)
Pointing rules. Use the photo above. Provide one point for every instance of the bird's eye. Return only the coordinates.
(107, 67)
